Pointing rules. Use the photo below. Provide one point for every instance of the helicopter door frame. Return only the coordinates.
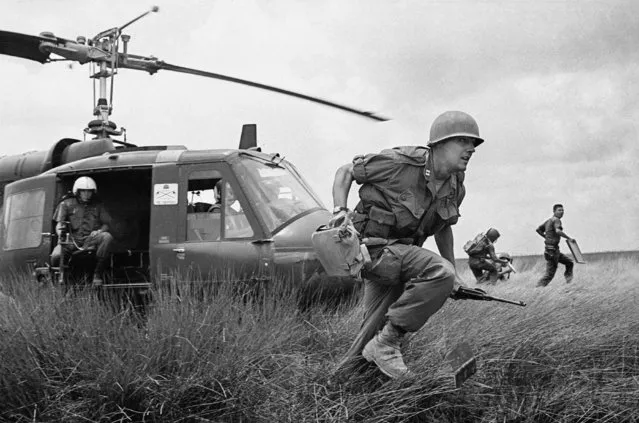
(27, 223)
(164, 247)
(174, 257)
(240, 252)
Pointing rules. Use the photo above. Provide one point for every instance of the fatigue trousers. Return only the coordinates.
(405, 285)
(478, 265)
(101, 242)
(553, 258)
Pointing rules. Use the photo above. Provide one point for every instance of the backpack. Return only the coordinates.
(475, 245)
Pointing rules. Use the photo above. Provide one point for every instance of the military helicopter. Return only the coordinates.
(175, 213)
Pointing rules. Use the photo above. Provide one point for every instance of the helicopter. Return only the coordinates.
(176, 214)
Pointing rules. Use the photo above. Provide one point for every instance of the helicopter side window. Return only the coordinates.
(204, 217)
(23, 219)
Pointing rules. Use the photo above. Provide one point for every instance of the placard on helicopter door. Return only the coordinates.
(165, 194)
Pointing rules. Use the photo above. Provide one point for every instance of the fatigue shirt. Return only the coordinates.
(82, 218)
(551, 237)
(398, 197)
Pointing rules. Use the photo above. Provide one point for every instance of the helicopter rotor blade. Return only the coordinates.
(23, 46)
(174, 68)
(39, 48)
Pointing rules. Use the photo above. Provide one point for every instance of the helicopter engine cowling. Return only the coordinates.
(20, 166)
(86, 149)
(32, 163)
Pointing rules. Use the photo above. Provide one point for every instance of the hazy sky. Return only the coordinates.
(552, 84)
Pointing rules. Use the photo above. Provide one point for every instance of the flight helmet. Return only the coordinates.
(84, 182)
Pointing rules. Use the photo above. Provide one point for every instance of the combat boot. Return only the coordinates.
(98, 273)
(384, 351)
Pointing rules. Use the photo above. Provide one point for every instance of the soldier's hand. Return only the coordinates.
(456, 290)
(457, 284)
(339, 219)
(453, 294)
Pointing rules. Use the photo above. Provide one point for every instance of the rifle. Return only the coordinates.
(464, 293)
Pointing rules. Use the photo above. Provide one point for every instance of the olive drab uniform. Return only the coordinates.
(82, 220)
(551, 251)
(399, 208)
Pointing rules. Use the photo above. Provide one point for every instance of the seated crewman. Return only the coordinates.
(87, 223)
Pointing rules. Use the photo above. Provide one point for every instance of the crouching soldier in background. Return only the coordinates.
(407, 194)
(482, 260)
(84, 218)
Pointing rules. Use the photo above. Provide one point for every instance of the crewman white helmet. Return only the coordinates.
(86, 183)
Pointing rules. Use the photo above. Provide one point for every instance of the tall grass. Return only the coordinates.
(571, 355)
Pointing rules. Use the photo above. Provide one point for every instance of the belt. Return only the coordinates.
(374, 242)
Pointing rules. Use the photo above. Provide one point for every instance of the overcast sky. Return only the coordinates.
(552, 84)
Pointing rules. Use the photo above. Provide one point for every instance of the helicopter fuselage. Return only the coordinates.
(175, 214)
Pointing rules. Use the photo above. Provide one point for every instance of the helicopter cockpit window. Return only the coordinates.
(23, 220)
(236, 225)
(211, 202)
(278, 194)
(203, 217)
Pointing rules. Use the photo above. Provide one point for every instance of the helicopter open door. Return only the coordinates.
(27, 229)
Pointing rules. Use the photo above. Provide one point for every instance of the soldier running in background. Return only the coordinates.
(552, 231)
(482, 259)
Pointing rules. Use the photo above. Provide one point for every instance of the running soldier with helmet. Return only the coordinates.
(87, 223)
(482, 258)
(407, 194)
(552, 231)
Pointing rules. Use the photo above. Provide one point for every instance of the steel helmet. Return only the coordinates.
(454, 124)
(505, 256)
(492, 234)
(84, 182)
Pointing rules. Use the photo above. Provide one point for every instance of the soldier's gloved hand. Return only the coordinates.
(96, 232)
(339, 219)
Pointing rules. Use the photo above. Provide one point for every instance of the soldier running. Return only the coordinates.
(552, 231)
(408, 194)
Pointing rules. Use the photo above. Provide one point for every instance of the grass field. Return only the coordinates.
(571, 355)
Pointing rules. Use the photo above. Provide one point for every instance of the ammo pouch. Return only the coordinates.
(377, 224)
